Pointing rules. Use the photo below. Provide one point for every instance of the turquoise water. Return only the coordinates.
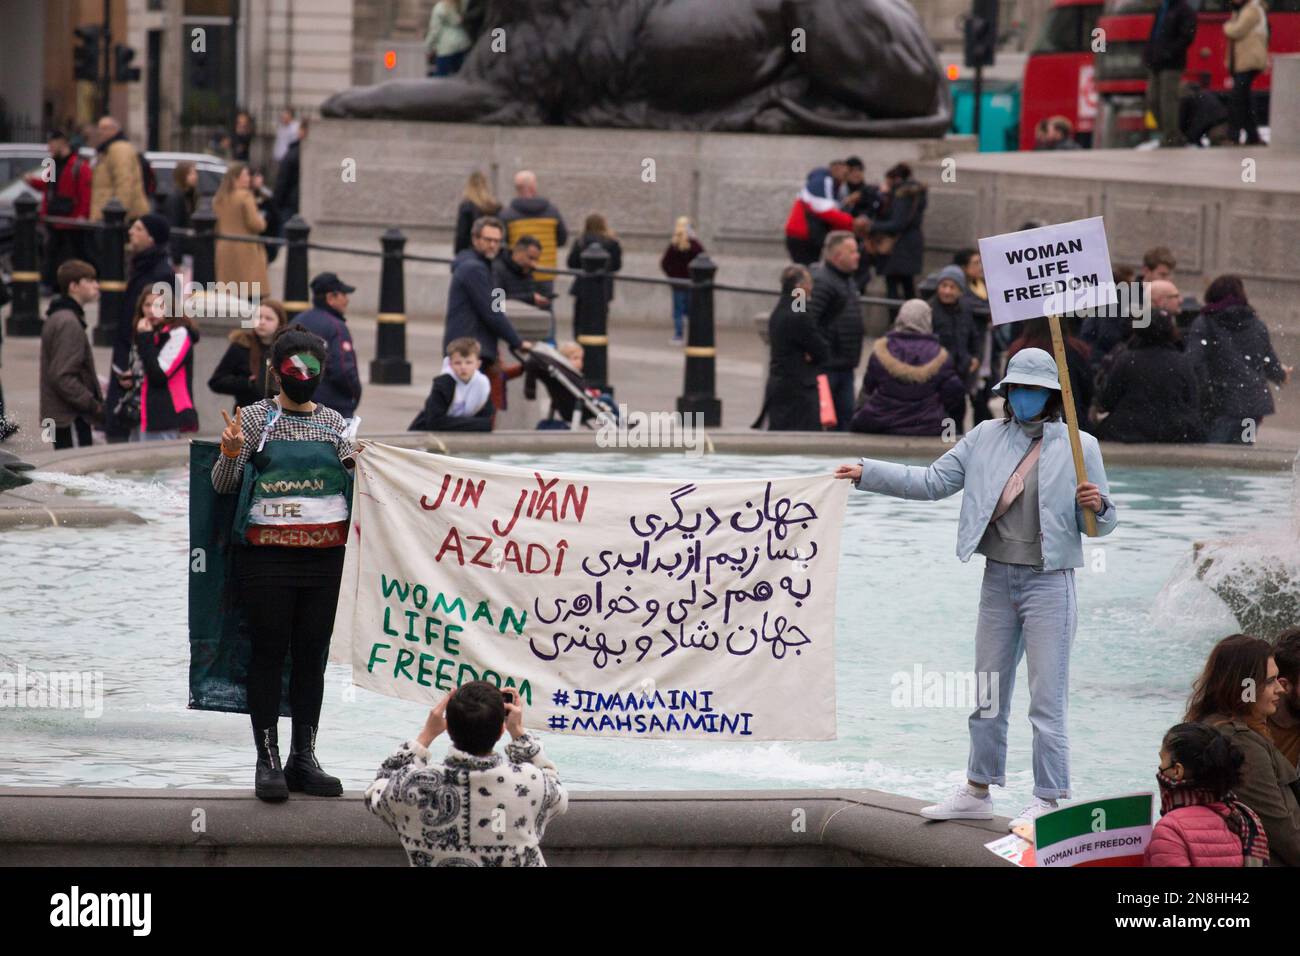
(113, 600)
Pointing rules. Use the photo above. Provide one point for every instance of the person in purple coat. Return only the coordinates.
(910, 378)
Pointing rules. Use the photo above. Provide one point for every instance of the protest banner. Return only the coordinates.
(1109, 832)
(618, 607)
(1013, 848)
(1048, 272)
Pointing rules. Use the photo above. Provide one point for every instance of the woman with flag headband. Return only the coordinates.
(290, 460)
(1023, 511)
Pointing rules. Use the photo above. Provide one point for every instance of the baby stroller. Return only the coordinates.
(572, 404)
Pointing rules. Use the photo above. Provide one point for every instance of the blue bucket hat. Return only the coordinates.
(1029, 367)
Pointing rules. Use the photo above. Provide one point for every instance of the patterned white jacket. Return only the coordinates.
(470, 811)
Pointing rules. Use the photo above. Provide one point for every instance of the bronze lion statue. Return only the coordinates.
(841, 67)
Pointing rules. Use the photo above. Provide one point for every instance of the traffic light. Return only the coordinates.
(980, 33)
(85, 56)
(123, 71)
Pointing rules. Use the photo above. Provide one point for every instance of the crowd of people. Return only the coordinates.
(1184, 113)
(1154, 368)
(1167, 371)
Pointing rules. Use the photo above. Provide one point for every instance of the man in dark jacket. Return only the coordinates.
(1165, 57)
(954, 325)
(340, 387)
(1202, 114)
(66, 194)
(516, 274)
(532, 215)
(906, 200)
(1230, 349)
(150, 265)
(287, 176)
(835, 310)
(473, 308)
(1150, 390)
(798, 350)
(70, 395)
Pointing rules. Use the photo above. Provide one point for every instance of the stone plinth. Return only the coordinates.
(736, 187)
(1228, 209)
(1284, 102)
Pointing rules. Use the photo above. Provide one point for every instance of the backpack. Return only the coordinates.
(147, 178)
(57, 204)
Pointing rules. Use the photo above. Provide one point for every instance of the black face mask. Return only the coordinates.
(297, 389)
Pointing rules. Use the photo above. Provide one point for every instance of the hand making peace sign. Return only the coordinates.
(232, 439)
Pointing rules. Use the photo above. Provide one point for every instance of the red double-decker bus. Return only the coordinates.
(1122, 79)
(1058, 78)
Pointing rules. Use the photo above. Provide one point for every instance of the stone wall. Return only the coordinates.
(736, 187)
(1284, 105)
(1218, 210)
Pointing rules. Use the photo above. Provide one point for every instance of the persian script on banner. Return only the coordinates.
(619, 607)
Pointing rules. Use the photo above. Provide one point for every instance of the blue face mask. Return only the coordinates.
(1027, 403)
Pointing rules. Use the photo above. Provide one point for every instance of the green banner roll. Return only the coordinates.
(220, 644)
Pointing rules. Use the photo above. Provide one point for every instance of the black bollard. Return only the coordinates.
(701, 352)
(25, 315)
(204, 224)
(591, 317)
(389, 366)
(296, 300)
(112, 273)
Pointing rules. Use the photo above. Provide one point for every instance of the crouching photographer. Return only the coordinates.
(476, 808)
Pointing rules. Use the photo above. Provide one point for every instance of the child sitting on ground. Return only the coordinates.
(460, 399)
(1202, 823)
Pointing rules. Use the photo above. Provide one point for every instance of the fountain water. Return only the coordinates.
(1256, 575)
(100, 485)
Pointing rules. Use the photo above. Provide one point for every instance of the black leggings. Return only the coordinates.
(295, 617)
(899, 287)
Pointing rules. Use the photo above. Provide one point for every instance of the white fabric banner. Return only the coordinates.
(619, 607)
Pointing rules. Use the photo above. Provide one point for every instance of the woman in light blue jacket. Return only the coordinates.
(1024, 512)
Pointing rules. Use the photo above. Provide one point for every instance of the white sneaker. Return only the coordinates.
(1026, 817)
(677, 340)
(965, 803)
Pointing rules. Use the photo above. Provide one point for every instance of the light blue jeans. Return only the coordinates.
(1031, 613)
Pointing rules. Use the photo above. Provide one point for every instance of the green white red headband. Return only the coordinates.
(302, 366)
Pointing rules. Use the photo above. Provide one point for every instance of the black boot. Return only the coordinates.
(269, 785)
(302, 771)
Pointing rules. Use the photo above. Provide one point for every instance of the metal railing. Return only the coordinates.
(390, 365)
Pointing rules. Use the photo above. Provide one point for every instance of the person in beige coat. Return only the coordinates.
(117, 173)
(1247, 58)
(237, 215)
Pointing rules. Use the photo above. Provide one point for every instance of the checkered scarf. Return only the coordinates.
(1241, 819)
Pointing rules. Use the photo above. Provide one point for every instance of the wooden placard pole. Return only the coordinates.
(1071, 419)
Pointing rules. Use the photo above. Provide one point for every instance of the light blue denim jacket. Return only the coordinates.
(981, 463)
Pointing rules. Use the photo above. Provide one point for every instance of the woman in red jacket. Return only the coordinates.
(1202, 823)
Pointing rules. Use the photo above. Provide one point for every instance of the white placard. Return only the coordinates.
(1052, 270)
(619, 607)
